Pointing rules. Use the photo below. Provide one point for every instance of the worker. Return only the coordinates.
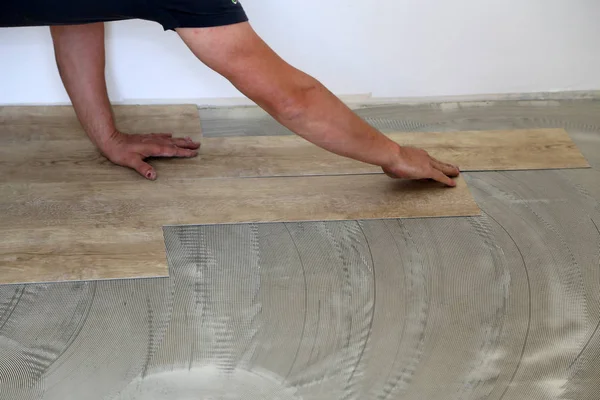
(219, 35)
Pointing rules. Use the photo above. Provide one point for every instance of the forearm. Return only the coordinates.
(80, 56)
(292, 97)
(321, 118)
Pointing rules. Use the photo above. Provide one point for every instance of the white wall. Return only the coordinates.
(395, 48)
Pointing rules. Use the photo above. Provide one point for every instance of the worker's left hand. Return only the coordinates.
(131, 150)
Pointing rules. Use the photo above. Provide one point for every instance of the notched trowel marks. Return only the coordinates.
(34, 332)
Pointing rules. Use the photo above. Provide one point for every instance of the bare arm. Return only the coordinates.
(80, 56)
(304, 105)
(79, 51)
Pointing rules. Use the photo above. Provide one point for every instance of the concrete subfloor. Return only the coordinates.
(502, 306)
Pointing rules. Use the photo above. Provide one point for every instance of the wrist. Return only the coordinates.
(106, 142)
(392, 156)
(104, 139)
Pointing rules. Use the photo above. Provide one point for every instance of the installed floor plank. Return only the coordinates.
(261, 156)
(47, 144)
(30, 123)
(31, 249)
(251, 156)
(219, 201)
(112, 230)
(71, 252)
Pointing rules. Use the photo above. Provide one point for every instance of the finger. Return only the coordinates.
(184, 153)
(447, 169)
(390, 174)
(443, 163)
(439, 176)
(155, 138)
(169, 151)
(143, 168)
(438, 160)
(185, 143)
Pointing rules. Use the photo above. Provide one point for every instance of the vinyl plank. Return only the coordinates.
(149, 204)
(67, 252)
(31, 250)
(501, 150)
(262, 156)
(252, 156)
(20, 124)
(112, 230)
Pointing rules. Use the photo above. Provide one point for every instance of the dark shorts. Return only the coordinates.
(170, 14)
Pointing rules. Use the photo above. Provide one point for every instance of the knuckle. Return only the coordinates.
(169, 150)
(155, 148)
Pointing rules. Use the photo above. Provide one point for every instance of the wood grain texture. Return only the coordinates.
(112, 230)
(262, 156)
(221, 201)
(67, 252)
(252, 156)
(501, 150)
(37, 246)
(30, 123)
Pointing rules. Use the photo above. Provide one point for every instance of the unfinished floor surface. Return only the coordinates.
(504, 306)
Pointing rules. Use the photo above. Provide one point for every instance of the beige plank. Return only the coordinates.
(112, 230)
(58, 161)
(66, 253)
(148, 204)
(32, 250)
(31, 123)
(291, 156)
(505, 150)
(470, 150)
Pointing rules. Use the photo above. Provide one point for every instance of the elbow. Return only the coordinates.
(292, 104)
(286, 97)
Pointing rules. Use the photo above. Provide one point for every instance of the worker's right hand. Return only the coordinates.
(132, 150)
(414, 163)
